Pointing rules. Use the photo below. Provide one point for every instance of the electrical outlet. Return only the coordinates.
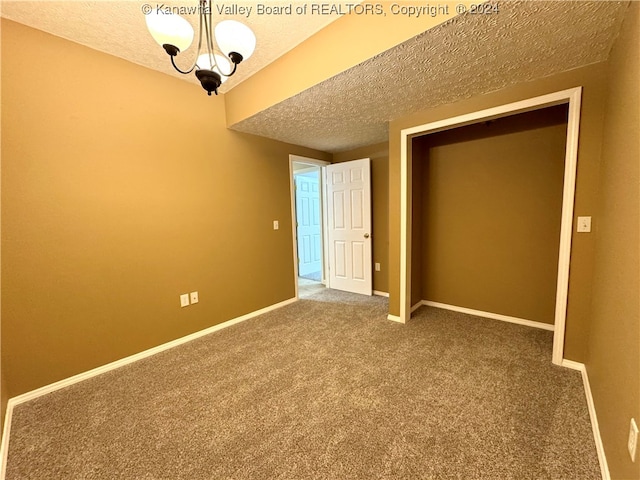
(276, 225)
(184, 300)
(584, 224)
(194, 297)
(633, 440)
(377, 267)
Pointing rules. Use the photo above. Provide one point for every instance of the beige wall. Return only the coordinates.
(419, 156)
(379, 155)
(4, 399)
(487, 202)
(593, 79)
(613, 361)
(122, 189)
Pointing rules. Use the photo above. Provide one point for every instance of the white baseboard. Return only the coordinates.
(25, 397)
(417, 306)
(4, 445)
(380, 294)
(479, 313)
(602, 458)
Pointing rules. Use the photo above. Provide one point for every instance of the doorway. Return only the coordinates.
(308, 220)
(487, 200)
(331, 223)
(571, 97)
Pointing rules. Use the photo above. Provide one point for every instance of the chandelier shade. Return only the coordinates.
(233, 36)
(170, 29)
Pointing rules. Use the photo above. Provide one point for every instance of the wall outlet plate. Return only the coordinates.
(184, 300)
(194, 297)
(633, 440)
(584, 224)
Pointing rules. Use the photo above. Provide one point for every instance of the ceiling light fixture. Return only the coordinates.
(235, 42)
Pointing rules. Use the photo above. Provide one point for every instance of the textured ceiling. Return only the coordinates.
(468, 56)
(118, 27)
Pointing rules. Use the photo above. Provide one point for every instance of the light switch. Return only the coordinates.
(276, 225)
(184, 300)
(584, 224)
(194, 297)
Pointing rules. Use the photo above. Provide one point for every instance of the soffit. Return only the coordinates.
(467, 56)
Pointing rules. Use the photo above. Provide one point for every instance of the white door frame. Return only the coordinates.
(313, 162)
(572, 97)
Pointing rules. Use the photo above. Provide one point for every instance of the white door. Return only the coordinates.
(308, 224)
(349, 232)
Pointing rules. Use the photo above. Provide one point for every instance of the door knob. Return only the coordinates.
(366, 235)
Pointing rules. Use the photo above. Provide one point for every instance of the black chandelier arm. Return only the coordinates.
(184, 72)
(195, 61)
(205, 27)
(235, 66)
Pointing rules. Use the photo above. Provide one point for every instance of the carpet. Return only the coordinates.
(325, 388)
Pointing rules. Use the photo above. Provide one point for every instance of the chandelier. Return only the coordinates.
(235, 42)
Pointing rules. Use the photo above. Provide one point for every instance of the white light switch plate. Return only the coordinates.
(184, 300)
(276, 225)
(584, 224)
(194, 297)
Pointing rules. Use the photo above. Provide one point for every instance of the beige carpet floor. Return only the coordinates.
(325, 388)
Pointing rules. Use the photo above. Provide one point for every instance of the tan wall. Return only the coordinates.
(379, 155)
(419, 152)
(593, 79)
(613, 362)
(489, 197)
(122, 189)
(4, 398)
